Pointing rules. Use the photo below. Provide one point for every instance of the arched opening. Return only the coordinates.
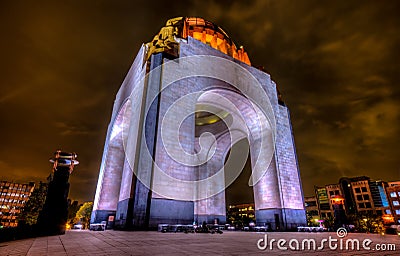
(238, 128)
(239, 196)
(112, 166)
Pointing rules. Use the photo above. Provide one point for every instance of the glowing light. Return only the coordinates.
(388, 218)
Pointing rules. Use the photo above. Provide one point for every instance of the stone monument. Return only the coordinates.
(189, 96)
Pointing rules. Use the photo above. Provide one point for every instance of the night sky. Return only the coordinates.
(335, 62)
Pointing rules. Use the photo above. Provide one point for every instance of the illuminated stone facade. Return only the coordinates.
(135, 150)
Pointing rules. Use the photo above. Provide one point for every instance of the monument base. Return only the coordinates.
(101, 215)
(168, 211)
(281, 219)
(210, 219)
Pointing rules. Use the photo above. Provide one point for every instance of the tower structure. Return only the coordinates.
(53, 217)
(189, 96)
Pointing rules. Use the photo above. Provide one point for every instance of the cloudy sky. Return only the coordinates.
(335, 62)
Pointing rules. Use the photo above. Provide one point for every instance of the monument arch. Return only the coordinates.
(188, 97)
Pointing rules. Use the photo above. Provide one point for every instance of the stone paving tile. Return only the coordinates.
(153, 243)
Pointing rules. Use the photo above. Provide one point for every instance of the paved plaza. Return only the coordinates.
(154, 243)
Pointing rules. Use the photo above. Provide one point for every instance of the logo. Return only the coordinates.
(341, 232)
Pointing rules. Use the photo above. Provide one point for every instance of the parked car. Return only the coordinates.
(231, 228)
(77, 226)
(98, 226)
(260, 228)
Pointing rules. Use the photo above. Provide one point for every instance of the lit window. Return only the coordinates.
(396, 203)
(393, 194)
(398, 212)
(387, 211)
(398, 193)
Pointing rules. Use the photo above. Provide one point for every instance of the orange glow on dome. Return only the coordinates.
(209, 33)
(199, 29)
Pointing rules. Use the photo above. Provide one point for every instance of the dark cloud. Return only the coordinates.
(335, 63)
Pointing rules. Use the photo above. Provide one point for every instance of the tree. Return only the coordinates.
(310, 218)
(73, 208)
(368, 223)
(329, 223)
(30, 213)
(84, 213)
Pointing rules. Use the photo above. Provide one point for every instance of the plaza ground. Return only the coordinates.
(82, 242)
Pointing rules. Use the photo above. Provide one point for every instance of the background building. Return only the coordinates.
(241, 214)
(311, 210)
(362, 196)
(13, 197)
(379, 197)
(393, 193)
(324, 208)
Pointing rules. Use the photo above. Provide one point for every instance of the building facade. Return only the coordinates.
(312, 210)
(188, 97)
(393, 194)
(361, 196)
(13, 197)
(241, 214)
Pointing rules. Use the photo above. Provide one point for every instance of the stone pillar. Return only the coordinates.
(53, 217)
